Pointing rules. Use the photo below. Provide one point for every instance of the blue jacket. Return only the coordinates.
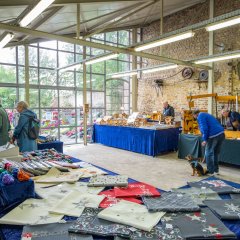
(169, 111)
(209, 125)
(21, 132)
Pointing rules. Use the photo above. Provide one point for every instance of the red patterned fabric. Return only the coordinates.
(110, 199)
(135, 190)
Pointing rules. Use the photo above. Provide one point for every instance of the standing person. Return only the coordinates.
(234, 119)
(213, 137)
(4, 126)
(168, 111)
(21, 130)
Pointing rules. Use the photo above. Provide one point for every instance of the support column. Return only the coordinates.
(85, 114)
(211, 52)
(27, 74)
(134, 78)
(78, 21)
(161, 24)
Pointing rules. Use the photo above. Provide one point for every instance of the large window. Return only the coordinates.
(57, 97)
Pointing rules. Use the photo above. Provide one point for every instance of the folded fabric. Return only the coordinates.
(235, 196)
(227, 209)
(75, 202)
(131, 214)
(89, 171)
(198, 225)
(111, 200)
(136, 189)
(198, 195)
(54, 231)
(218, 186)
(170, 202)
(32, 212)
(61, 190)
(56, 176)
(89, 223)
(108, 181)
(157, 233)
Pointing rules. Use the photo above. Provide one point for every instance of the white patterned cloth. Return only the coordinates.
(75, 202)
(32, 212)
(104, 181)
(131, 214)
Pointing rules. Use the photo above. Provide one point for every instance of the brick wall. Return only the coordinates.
(176, 88)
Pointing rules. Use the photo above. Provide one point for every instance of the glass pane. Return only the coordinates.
(8, 55)
(97, 51)
(21, 94)
(123, 37)
(80, 116)
(65, 58)
(34, 98)
(111, 66)
(48, 77)
(68, 135)
(33, 76)
(97, 82)
(98, 67)
(97, 99)
(96, 113)
(21, 74)
(48, 58)
(66, 46)
(48, 98)
(79, 49)
(33, 56)
(124, 57)
(7, 74)
(8, 96)
(67, 117)
(49, 118)
(112, 37)
(98, 37)
(67, 99)
(123, 66)
(21, 55)
(80, 99)
(66, 79)
(49, 44)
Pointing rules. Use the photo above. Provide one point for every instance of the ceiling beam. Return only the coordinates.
(40, 34)
(28, 2)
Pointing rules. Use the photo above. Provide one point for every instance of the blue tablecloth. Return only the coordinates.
(58, 145)
(145, 141)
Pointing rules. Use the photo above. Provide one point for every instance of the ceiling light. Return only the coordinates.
(124, 74)
(160, 68)
(35, 12)
(71, 67)
(218, 58)
(6, 39)
(226, 23)
(164, 41)
(101, 58)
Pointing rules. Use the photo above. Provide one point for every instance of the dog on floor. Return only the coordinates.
(196, 166)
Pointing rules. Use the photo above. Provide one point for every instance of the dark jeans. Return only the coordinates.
(212, 151)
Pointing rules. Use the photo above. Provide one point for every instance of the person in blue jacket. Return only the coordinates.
(234, 119)
(168, 111)
(20, 134)
(213, 137)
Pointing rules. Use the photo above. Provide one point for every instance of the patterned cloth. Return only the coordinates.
(199, 195)
(108, 181)
(226, 209)
(198, 225)
(218, 186)
(54, 231)
(170, 202)
(89, 223)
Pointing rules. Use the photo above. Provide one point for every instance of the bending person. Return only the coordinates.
(21, 130)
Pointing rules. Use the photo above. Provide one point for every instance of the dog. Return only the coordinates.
(196, 166)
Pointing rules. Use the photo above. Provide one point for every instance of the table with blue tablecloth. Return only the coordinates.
(141, 140)
(57, 145)
(191, 144)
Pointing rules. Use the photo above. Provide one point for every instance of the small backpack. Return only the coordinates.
(33, 128)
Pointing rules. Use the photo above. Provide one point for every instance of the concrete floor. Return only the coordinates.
(164, 172)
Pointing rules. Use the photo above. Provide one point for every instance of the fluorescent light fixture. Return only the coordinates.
(159, 68)
(218, 58)
(164, 41)
(35, 12)
(70, 67)
(223, 24)
(124, 74)
(6, 39)
(102, 58)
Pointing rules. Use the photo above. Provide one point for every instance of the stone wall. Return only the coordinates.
(175, 87)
